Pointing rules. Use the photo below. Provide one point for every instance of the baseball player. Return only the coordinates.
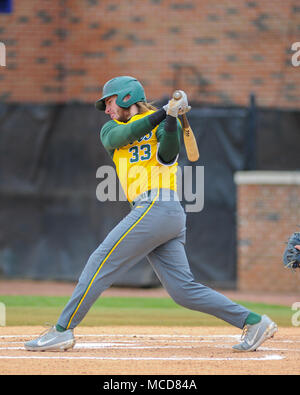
(144, 143)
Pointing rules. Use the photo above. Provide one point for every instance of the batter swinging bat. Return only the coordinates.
(190, 142)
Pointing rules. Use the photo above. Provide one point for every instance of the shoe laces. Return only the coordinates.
(48, 328)
(245, 332)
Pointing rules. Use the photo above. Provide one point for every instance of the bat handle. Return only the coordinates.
(185, 122)
(177, 95)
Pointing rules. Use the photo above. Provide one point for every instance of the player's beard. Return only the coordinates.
(122, 115)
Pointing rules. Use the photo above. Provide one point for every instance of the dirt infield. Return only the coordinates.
(151, 351)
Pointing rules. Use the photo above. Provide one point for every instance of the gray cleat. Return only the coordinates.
(52, 340)
(254, 335)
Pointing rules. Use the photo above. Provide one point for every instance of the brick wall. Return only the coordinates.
(268, 211)
(219, 52)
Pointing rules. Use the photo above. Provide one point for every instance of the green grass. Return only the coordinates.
(38, 310)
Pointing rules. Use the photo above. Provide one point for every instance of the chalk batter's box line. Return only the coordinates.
(263, 358)
(124, 346)
(133, 335)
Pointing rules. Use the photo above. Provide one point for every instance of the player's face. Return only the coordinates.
(114, 111)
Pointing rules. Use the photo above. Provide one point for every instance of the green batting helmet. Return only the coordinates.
(122, 86)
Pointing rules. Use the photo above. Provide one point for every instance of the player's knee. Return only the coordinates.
(185, 298)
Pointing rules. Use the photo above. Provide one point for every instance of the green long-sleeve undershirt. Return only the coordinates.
(114, 136)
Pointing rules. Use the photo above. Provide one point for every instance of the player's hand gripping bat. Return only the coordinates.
(190, 142)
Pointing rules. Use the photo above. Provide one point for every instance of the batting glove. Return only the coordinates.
(177, 107)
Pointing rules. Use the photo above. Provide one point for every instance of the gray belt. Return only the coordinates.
(152, 193)
(142, 197)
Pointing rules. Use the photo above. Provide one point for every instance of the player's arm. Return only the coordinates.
(168, 134)
(114, 135)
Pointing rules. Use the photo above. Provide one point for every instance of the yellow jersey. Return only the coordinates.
(138, 166)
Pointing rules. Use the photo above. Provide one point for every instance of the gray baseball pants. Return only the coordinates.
(155, 228)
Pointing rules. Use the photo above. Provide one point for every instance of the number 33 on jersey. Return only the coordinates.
(138, 166)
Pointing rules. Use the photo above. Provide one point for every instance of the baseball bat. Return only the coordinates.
(189, 140)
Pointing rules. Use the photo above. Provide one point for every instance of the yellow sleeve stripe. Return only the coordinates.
(108, 255)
